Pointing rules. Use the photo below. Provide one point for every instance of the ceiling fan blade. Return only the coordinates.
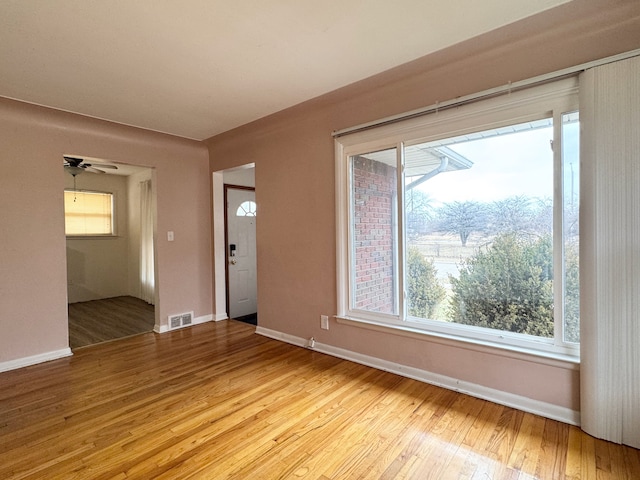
(72, 161)
(78, 163)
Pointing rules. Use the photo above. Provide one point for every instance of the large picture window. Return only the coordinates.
(465, 223)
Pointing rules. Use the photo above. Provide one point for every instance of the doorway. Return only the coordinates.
(107, 280)
(240, 241)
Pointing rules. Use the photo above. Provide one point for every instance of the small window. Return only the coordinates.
(88, 213)
(246, 209)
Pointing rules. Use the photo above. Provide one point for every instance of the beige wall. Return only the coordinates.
(33, 284)
(98, 267)
(108, 267)
(293, 153)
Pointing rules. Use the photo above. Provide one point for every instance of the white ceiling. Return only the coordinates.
(196, 68)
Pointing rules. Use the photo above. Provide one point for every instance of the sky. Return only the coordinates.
(503, 166)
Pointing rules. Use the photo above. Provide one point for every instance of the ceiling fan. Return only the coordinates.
(75, 166)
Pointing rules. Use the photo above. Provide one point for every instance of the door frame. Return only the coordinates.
(227, 187)
(153, 178)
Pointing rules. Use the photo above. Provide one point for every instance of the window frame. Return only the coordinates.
(550, 100)
(113, 233)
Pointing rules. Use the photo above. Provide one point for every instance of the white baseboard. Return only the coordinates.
(220, 316)
(34, 359)
(203, 319)
(196, 321)
(519, 402)
(285, 337)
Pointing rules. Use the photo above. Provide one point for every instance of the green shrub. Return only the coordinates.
(508, 286)
(424, 290)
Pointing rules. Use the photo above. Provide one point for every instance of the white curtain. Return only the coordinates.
(610, 252)
(147, 274)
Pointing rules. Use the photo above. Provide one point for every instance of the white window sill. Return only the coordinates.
(509, 351)
(91, 237)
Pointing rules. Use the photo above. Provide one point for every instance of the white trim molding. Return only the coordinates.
(35, 359)
(567, 362)
(549, 102)
(203, 319)
(196, 321)
(220, 316)
(507, 89)
(537, 407)
(284, 337)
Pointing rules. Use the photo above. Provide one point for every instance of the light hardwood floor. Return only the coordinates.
(218, 401)
(99, 321)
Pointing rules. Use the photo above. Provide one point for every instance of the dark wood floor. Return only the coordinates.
(218, 401)
(103, 320)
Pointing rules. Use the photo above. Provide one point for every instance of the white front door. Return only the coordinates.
(241, 252)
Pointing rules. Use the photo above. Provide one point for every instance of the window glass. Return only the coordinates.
(479, 229)
(246, 209)
(88, 213)
(374, 200)
(571, 238)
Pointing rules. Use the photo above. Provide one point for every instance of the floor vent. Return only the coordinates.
(180, 320)
(187, 318)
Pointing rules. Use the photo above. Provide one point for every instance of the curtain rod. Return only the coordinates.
(493, 92)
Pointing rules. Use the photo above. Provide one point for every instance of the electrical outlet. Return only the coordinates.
(324, 322)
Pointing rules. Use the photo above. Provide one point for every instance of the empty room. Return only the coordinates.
(358, 240)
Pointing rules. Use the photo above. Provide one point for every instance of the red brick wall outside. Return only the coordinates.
(374, 193)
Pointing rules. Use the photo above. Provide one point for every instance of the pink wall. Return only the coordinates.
(33, 284)
(294, 156)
